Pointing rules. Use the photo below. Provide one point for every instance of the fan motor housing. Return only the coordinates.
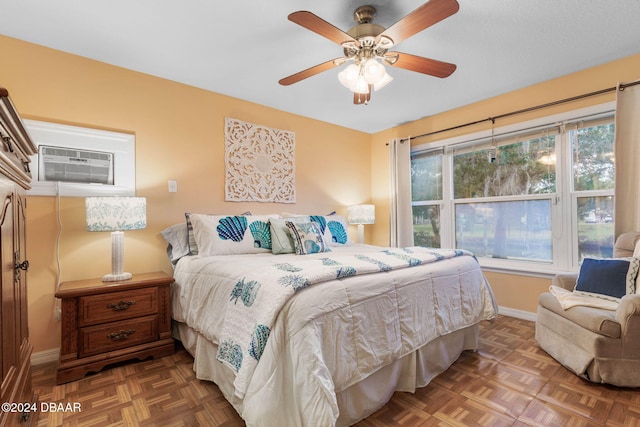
(365, 30)
(364, 14)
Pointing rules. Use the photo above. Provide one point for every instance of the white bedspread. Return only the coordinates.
(332, 334)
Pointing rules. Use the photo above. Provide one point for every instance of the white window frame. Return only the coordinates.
(122, 145)
(564, 228)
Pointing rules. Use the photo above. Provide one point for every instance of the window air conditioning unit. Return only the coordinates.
(76, 161)
(64, 164)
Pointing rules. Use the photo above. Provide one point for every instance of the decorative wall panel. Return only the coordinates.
(259, 163)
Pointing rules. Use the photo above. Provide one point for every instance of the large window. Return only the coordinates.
(522, 197)
(593, 185)
(426, 194)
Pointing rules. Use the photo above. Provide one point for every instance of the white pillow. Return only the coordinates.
(231, 234)
(191, 239)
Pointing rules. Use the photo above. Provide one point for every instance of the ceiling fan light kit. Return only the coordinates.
(366, 47)
(373, 71)
(358, 77)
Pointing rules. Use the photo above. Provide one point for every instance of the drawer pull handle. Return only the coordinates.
(120, 335)
(120, 306)
(8, 141)
(24, 265)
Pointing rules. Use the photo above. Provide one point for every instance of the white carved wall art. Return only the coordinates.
(259, 163)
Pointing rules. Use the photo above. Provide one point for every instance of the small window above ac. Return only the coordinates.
(75, 161)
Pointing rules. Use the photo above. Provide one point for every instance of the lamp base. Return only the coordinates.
(117, 262)
(360, 233)
(116, 277)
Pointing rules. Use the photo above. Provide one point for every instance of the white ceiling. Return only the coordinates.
(242, 48)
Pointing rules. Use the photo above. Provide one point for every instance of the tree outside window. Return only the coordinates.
(503, 206)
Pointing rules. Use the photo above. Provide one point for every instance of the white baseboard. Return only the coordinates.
(46, 356)
(518, 314)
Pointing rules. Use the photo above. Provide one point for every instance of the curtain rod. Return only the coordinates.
(526, 110)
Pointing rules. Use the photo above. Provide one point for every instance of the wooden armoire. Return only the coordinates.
(15, 177)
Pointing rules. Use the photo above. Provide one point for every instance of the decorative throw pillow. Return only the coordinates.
(191, 238)
(307, 238)
(333, 228)
(231, 234)
(610, 278)
(281, 240)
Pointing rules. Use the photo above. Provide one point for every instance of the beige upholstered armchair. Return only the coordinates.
(599, 345)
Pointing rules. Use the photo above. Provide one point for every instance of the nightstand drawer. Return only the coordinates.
(117, 305)
(117, 335)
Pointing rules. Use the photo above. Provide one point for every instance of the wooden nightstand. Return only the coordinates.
(109, 322)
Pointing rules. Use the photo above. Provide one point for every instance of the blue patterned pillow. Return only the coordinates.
(191, 238)
(609, 279)
(231, 234)
(333, 228)
(307, 238)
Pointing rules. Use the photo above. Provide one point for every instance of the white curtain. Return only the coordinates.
(627, 149)
(401, 221)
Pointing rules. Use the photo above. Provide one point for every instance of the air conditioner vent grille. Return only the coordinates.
(72, 165)
(69, 152)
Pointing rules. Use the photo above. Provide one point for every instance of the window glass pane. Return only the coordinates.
(426, 177)
(593, 160)
(514, 230)
(526, 167)
(426, 226)
(595, 227)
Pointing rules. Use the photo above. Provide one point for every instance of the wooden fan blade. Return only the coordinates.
(362, 98)
(317, 69)
(423, 17)
(423, 65)
(318, 25)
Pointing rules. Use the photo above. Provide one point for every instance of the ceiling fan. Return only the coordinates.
(367, 45)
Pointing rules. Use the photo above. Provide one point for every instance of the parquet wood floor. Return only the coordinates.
(509, 381)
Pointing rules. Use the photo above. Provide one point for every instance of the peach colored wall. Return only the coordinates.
(179, 135)
(512, 291)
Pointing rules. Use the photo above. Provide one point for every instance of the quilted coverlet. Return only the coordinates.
(311, 326)
(258, 297)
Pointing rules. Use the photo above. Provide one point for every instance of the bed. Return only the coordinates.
(326, 338)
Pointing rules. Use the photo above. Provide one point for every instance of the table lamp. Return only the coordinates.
(360, 215)
(116, 214)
